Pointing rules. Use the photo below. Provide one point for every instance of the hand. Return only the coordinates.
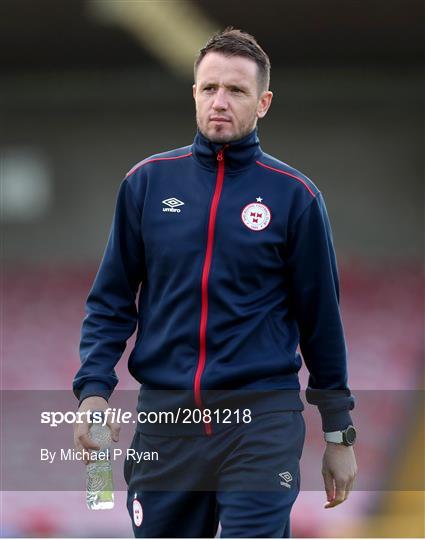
(82, 440)
(339, 469)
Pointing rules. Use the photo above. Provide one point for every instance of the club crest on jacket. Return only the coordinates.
(256, 216)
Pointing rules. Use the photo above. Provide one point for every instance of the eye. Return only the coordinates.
(236, 90)
(208, 88)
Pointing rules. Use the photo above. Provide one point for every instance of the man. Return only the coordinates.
(233, 251)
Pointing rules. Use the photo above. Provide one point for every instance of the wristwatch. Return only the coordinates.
(347, 437)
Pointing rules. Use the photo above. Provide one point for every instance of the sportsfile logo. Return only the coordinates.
(286, 478)
(172, 203)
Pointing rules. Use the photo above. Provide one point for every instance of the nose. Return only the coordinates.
(220, 100)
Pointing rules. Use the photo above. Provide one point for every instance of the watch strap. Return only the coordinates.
(334, 437)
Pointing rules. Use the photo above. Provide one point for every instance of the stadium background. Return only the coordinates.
(87, 89)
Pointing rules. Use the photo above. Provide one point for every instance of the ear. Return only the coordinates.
(264, 103)
(194, 90)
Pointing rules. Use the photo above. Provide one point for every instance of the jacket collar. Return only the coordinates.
(237, 154)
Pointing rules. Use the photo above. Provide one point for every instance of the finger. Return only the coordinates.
(349, 488)
(115, 431)
(341, 486)
(87, 442)
(77, 446)
(333, 503)
(339, 498)
(329, 485)
(80, 448)
(340, 489)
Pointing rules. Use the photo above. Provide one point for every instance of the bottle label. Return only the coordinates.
(100, 490)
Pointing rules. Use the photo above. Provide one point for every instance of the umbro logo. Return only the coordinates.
(172, 203)
(286, 478)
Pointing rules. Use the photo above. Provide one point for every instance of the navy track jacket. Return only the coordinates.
(232, 250)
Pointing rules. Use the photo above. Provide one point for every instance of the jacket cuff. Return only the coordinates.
(335, 420)
(94, 388)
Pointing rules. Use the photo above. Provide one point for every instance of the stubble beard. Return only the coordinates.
(224, 138)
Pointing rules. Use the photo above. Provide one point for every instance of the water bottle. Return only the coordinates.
(100, 488)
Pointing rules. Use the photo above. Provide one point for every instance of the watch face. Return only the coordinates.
(350, 435)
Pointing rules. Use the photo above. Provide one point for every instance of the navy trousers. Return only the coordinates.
(245, 476)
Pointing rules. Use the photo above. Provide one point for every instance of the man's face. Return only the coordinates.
(226, 93)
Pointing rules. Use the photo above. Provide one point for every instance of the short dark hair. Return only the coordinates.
(234, 42)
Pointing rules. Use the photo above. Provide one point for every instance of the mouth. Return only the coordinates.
(219, 119)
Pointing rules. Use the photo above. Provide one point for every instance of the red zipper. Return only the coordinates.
(204, 288)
